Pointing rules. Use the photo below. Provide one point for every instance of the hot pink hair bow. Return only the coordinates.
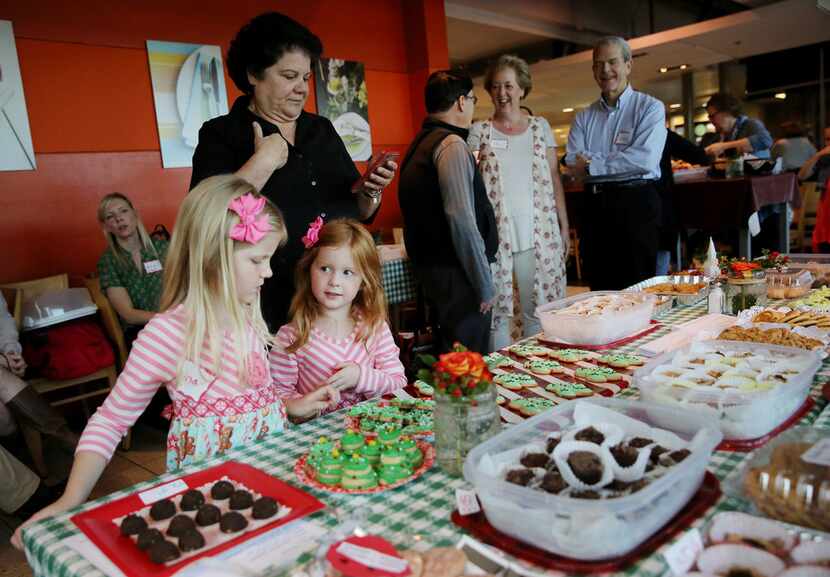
(310, 238)
(252, 225)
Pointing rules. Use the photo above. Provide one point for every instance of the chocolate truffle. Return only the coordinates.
(265, 507)
(552, 443)
(179, 524)
(192, 500)
(132, 525)
(656, 452)
(208, 515)
(534, 460)
(639, 442)
(553, 482)
(591, 435)
(624, 455)
(519, 476)
(148, 538)
(678, 456)
(240, 499)
(164, 551)
(586, 466)
(191, 540)
(221, 490)
(163, 509)
(585, 495)
(232, 522)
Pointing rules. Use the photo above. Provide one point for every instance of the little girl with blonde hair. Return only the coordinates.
(207, 346)
(338, 335)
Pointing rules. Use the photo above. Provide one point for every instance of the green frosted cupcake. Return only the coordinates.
(320, 449)
(392, 455)
(368, 480)
(388, 434)
(410, 449)
(371, 451)
(356, 466)
(391, 474)
(351, 442)
(330, 468)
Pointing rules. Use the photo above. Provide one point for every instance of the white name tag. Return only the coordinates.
(194, 381)
(152, 266)
(162, 492)
(466, 502)
(623, 137)
(498, 143)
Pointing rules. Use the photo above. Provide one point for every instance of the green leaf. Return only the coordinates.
(427, 360)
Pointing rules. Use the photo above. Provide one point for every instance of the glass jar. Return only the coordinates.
(744, 293)
(461, 423)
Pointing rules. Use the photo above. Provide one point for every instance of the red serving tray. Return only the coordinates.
(652, 326)
(479, 527)
(746, 445)
(97, 523)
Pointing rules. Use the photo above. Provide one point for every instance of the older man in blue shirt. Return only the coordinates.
(615, 145)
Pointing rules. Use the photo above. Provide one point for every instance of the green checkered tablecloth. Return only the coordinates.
(419, 508)
(399, 282)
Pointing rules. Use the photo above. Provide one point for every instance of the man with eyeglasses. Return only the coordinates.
(737, 132)
(449, 225)
(615, 145)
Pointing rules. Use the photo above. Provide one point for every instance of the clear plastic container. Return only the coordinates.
(588, 529)
(742, 413)
(788, 284)
(55, 307)
(744, 293)
(578, 327)
(781, 481)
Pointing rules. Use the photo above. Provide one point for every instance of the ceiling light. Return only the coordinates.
(674, 106)
(664, 69)
(781, 95)
(684, 66)
(567, 110)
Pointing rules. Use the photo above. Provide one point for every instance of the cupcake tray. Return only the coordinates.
(652, 326)
(478, 526)
(305, 474)
(746, 445)
(354, 422)
(101, 524)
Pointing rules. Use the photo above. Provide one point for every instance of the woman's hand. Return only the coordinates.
(55, 508)
(314, 403)
(381, 177)
(273, 147)
(17, 364)
(715, 149)
(346, 376)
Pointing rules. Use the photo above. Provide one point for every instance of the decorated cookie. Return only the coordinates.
(501, 400)
(424, 388)
(515, 381)
(569, 355)
(531, 407)
(529, 350)
(543, 366)
(597, 374)
(621, 360)
(496, 360)
(569, 390)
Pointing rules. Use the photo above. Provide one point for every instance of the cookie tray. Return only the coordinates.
(681, 299)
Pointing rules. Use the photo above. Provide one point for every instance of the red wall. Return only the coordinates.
(87, 86)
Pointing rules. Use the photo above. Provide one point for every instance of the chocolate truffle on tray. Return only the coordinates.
(191, 540)
(163, 509)
(132, 525)
(232, 522)
(179, 524)
(148, 538)
(240, 499)
(192, 500)
(222, 490)
(164, 551)
(208, 515)
(265, 507)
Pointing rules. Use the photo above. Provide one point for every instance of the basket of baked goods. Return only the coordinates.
(592, 479)
(596, 318)
(751, 389)
(789, 479)
(686, 289)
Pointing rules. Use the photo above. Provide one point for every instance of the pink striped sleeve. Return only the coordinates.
(284, 370)
(152, 362)
(383, 372)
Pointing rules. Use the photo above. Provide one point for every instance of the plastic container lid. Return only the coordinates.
(53, 307)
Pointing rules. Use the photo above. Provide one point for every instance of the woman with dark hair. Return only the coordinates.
(293, 157)
(737, 131)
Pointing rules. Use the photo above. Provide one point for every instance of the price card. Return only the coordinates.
(372, 558)
(682, 555)
(162, 491)
(466, 502)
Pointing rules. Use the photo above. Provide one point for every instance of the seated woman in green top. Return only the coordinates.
(131, 268)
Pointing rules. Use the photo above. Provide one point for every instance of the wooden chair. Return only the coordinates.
(574, 251)
(804, 218)
(45, 387)
(109, 318)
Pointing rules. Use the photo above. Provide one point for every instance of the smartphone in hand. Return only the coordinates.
(380, 160)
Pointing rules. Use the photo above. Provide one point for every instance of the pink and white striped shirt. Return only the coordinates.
(298, 373)
(153, 362)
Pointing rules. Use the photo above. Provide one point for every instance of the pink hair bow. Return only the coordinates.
(252, 225)
(310, 238)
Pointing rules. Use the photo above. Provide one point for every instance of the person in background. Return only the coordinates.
(295, 158)
(677, 148)
(618, 142)
(207, 345)
(817, 168)
(794, 148)
(338, 335)
(517, 157)
(131, 268)
(450, 229)
(739, 134)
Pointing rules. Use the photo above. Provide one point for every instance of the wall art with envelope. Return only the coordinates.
(16, 149)
(188, 89)
(342, 98)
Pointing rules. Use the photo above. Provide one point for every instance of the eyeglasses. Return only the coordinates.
(474, 98)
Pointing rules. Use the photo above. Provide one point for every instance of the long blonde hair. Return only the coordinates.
(199, 269)
(112, 242)
(369, 306)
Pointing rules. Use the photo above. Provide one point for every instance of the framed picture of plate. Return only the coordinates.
(342, 98)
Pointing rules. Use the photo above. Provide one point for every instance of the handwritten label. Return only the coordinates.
(152, 266)
(372, 558)
(818, 454)
(682, 555)
(162, 491)
(466, 502)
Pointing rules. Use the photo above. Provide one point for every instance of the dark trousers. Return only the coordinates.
(619, 235)
(456, 308)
